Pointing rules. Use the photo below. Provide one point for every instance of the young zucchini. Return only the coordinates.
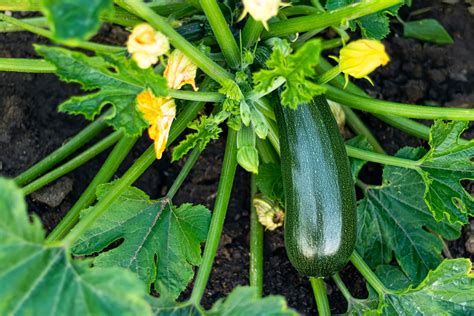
(320, 221)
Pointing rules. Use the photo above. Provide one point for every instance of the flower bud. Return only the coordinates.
(269, 213)
(262, 10)
(180, 70)
(146, 45)
(361, 57)
(160, 113)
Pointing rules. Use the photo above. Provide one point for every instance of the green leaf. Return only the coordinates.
(297, 69)
(242, 300)
(393, 218)
(393, 277)
(119, 82)
(447, 163)
(428, 30)
(41, 279)
(161, 243)
(72, 20)
(375, 25)
(207, 129)
(359, 307)
(361, 142)
(269, 181)
(448, 290)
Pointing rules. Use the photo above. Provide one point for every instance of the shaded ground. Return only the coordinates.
(30, 127)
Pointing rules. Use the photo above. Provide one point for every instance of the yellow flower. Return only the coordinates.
(269, 213)
(180, 70)
(160, 113)
(262, 10)
(361, 57)
(146, 45)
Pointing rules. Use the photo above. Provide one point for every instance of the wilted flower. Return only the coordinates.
(269, 213)
(361, 57)
(262, 10)
(160, 113)
(180, 70)
(146, 45)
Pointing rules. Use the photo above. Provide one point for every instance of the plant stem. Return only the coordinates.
(319, 290)
(342, 287)
(398, 109)
(323, 20)
(202, 61)
(196, 96)
(359, 127)
(217, 222)
(381, 158)
(188, 165)
(30, 5)
(7, 27)
(368, 274)
(256, 244)
(105, 173)
(73, 163)
(251, 32)
(26, 65)
(61, 153)
(136, 170)
(328, 75)
(267, 152)
(222, 32)
(48, 34)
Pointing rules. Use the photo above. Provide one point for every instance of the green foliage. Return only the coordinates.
(41, 279)
(376, 25)
(269, 181)
(447, 163)
(297, 69)
(359, 307)
(241, 301)
(428, 30)
(448, 290)
(119, 82)
(72, 20)
(207, 129)
(392, 218)
(149, 229)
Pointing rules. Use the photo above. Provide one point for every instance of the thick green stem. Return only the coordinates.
(188, 165)
(323, 20)
(342, 287)
(381, 158)
(196, 96)
(132, 174)
(26, 65)
(160, 23)
(319, 291)
(222, 32)
(359, 127)
(61, 153)
(105, 173)
(328, 75)
(251, 32)
(256, 244)
(218, 216)
(368, 274)
(398, 109)
(48, 34)
(73, 163)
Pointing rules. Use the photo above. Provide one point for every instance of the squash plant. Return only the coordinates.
(261, 66)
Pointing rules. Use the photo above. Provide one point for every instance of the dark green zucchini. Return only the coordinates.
(320, 220)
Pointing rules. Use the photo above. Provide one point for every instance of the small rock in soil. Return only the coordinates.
(53, 195)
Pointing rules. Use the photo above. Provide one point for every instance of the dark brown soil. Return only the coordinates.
(30, 128)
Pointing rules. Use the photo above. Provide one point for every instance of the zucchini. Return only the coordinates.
(320, 221)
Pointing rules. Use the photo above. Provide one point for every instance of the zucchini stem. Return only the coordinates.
(381, 158)
(368, 274)
(188, 165)
(256, 244)
(320, 295)
(342, 287)
(105, 173)
(251, 32)
(226, 180)
(74, 163)
(62, 152)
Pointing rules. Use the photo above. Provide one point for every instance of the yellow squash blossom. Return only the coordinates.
(180, 70)
(262, 10)
(146, 45)
(361, 57)
(160, 113)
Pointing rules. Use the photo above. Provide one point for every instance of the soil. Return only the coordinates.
(30, 128)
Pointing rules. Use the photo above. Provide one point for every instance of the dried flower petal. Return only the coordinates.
(180, 70)
(146, 45)
(269, 212)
